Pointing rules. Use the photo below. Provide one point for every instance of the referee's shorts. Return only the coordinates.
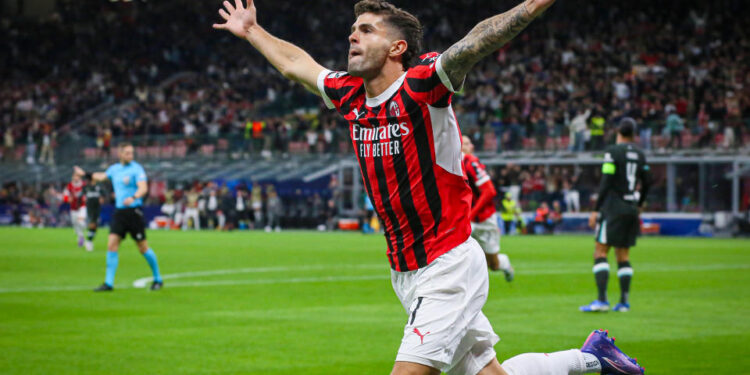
(129, 220)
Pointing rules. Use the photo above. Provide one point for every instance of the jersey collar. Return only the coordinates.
(385, 95)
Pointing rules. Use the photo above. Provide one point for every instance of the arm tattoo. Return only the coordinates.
(483, 39)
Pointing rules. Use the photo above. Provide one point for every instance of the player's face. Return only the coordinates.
(467, 147)
(369, 44)
(126, 154)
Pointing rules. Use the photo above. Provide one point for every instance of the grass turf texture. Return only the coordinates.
(320, 303)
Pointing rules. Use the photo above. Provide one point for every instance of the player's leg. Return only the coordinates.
(75, 220)
(92, 218)
(150, 256)
(625, 274)
(597, 355)
(138, 232)
(601, 276)
(411, 368)
(113, 244)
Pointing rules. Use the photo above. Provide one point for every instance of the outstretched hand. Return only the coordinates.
(537, 7)
(238, 18)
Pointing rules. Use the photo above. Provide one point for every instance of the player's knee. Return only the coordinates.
(408, 368)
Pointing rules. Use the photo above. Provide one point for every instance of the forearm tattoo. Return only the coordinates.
(483, 39)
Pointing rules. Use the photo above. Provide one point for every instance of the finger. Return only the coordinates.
(229, 6)
(220, 26)
(224, 14)
(238, 4)
(250, 3)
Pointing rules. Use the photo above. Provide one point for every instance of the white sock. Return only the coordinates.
(568, 362)
(504, 261)
(591, 363)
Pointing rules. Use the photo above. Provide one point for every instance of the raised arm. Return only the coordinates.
(488, 36)
(95, 176)
(293, 62)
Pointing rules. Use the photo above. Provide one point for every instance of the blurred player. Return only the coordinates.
(408, 145)
(130, 186)
(619, 199)
(74, 196)
(483, 216)
(94, 194)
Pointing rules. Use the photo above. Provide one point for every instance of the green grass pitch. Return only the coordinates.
(322, 303)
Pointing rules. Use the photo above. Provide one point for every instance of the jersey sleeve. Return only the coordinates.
(477, 173)
(335, 87)
(110, 171)
(428, 82)
(140, 174)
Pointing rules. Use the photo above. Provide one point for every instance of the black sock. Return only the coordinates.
(601, 274)
(91, 234)
(625, 273)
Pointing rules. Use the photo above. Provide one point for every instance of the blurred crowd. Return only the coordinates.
(683, 74)
(198, 205)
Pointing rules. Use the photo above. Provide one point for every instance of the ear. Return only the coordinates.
(398, 47)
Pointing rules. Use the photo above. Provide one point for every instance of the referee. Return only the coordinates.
(130, 186)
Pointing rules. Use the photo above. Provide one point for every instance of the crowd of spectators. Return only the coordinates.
(564, 83)
(198, 205)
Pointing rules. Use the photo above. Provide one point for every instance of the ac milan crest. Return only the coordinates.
(394, 110)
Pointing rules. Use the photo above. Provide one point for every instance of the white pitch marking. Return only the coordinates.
(142, 282)
(384, 276)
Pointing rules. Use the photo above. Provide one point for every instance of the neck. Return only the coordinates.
(384, 79)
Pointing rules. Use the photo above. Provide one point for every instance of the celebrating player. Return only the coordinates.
(407, 142)
(483, 216)
(624, 169)
(130, 186)
(74, 196)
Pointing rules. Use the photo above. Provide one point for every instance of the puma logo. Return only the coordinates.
(421, 336)
(357, 114)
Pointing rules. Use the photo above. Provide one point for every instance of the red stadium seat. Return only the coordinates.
(167, 151)
(90, 153)
(222, 144)
(207, 150)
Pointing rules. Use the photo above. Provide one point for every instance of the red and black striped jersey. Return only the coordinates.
(408, 145)
(477, 176)
(73, 194)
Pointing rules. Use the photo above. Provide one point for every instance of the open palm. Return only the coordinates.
(238, 18)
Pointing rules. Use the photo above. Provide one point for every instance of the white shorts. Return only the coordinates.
(487, 233)
(78, 216)
(446, 328)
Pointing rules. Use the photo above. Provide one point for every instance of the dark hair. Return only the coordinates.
(627, 127)
(406, 24)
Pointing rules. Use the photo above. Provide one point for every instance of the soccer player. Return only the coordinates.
(619, 199)
(407, 142)
(74, 196)
(94, 194)
(130, 185)
(483, 216)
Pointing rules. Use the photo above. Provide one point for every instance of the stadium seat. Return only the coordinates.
(167, 151)
(222, 144)
(207, 150)
(90, 153)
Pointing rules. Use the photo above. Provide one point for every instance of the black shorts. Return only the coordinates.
(129, 220)
(619, 226)
(92, 213)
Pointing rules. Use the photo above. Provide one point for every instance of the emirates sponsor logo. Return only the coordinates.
(381, 141)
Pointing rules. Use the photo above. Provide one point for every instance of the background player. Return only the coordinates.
(483, 215)
(130, 185)
(74, 196)
(619, 199)
(409, 149)
(94, 193)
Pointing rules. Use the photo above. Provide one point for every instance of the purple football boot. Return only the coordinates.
(612, 359)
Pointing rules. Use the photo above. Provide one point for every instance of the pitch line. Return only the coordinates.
(143, 282)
